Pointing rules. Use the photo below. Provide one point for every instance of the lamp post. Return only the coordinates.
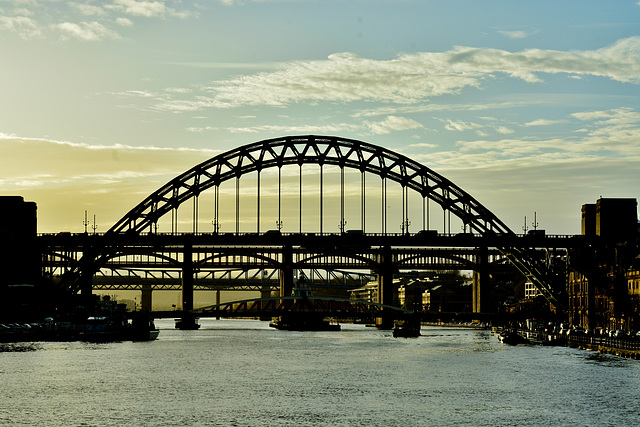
(85, 222)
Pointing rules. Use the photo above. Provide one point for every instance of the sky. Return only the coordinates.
(532, 107)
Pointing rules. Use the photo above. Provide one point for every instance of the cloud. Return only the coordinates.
(147, 9)
(124, 22)
(391, 124)
(91, 164)
(383, 127)
(423, 145)
(609, 134)
(543, 122)
(30, 21)
(514, 34)
(88, 9)
(408, 79)
(24, 26)
(411, 109)
(504, 130)
(300, 129)
(140, 8)
(85, 31)
(461, 126)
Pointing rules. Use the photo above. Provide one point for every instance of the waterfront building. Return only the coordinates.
(366, 293)
(19, 259)
(410, 294)
(530, 290)
(447, 298)
(598, 286)
(581, 300)
(633, 292)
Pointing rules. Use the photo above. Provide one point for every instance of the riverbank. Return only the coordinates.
(628, 347)
(623, 347)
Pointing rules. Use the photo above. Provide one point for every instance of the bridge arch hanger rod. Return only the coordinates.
(319, 150)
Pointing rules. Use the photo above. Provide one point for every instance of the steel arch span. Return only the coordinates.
(346, 154)
(319, 150)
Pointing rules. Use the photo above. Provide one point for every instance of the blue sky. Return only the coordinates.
(528, 106)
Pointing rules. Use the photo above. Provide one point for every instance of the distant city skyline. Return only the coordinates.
(531, 107)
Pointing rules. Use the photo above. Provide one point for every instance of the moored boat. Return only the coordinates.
(107, 329)
(512, 338)
(406, 329)
(187, 323)
(304, 322)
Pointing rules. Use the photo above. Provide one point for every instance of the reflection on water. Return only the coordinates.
(234, 372)
(20, 346)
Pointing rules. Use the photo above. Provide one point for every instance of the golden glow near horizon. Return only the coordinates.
(528, 107)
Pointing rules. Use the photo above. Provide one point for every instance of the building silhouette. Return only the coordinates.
(602, 279)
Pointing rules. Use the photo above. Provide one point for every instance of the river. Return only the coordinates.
(243, 373)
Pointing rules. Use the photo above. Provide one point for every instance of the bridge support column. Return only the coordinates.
(188, 320)
(480, 282)
(218, 302)
(187, 278)
(87, 300)
(286, 272)
(146, 300)
(265, 292)
(386, 289)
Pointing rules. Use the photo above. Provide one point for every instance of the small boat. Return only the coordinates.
(108, 329)
(512, 338)
(406, 329)
(187, 323)
(303, 322)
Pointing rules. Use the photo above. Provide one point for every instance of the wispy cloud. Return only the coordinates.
(391, 124)
(514, 34)
(408, 79)
(85, 31)
(88, 9)
(382, 127)
(460, 125)
(69, 18)
(25, 27)
(543, 122)
(91, 164)
(609, 134)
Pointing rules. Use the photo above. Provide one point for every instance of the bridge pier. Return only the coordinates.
(286, 272)
(187, 278)
(386, 289)
(265, 292)
(188, 320)
(146, 299)
(218, 302)
(480, 281)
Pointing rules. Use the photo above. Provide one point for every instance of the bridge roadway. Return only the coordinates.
(251, 251)
(163, 261)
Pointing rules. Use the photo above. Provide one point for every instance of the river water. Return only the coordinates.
(242, 373)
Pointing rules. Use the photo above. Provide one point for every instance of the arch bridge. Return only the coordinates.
(302, 184)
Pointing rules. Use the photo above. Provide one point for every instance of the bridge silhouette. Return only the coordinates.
(135, 245)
